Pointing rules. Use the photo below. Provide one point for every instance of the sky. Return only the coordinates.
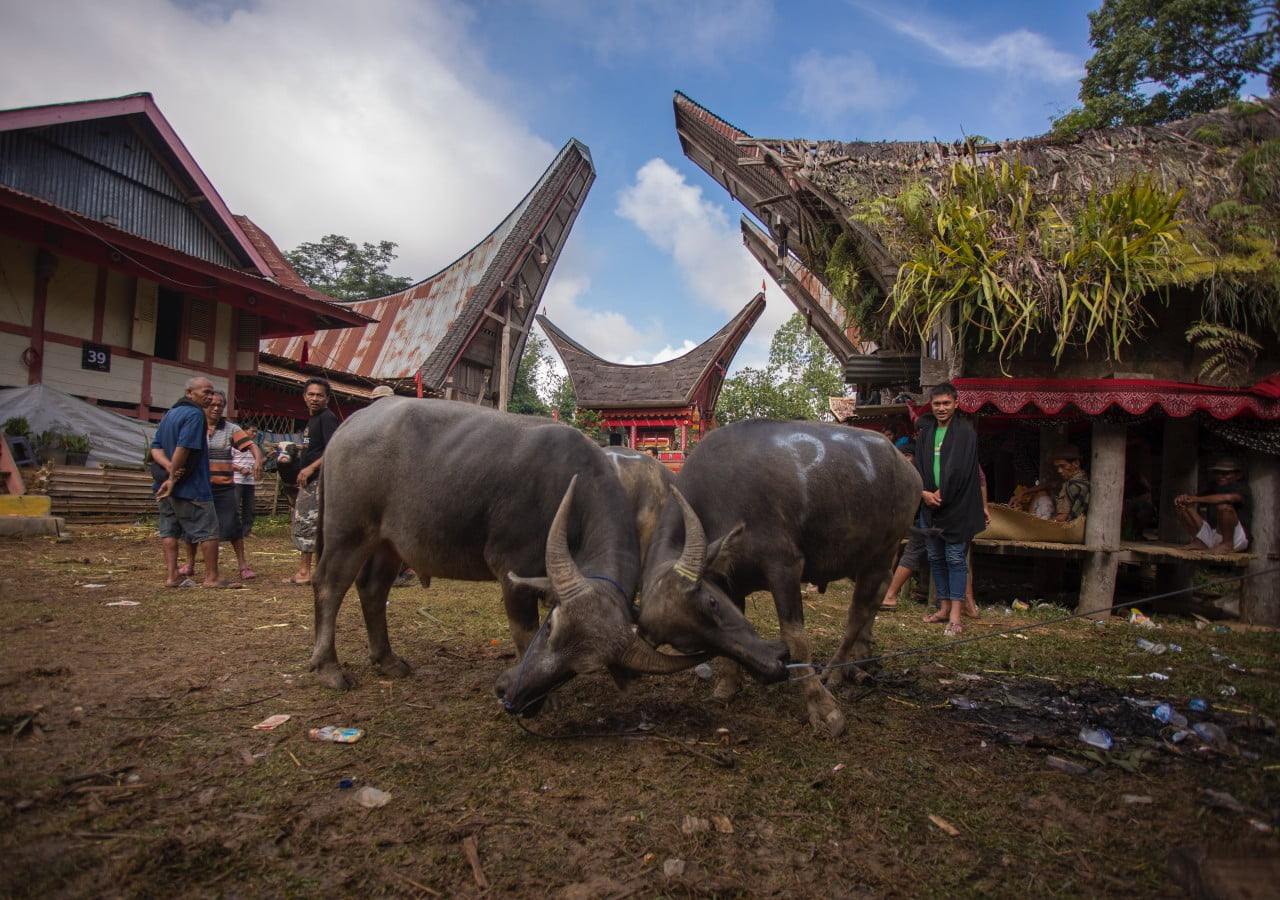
(424, 122)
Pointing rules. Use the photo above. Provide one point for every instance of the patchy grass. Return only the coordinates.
(138, 767)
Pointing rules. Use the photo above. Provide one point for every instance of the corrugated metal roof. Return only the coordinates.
(600, 384)
(426, 325)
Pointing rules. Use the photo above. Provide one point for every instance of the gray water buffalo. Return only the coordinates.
(647, 483)
(763, 505)
(463, 492)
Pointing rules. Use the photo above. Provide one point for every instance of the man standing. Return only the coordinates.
(181, 472)
(315, 438)
(1228, 508)
(947, 459)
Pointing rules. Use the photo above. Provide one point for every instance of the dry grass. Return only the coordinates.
(140, 774)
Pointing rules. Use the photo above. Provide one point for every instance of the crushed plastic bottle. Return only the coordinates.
(1210, 733)
(335, 735)
(963, 703)
(1169, 716)
(1176, 648)
(1151, 646)
(1227, 690)
(1198, 704)
(1096, 737)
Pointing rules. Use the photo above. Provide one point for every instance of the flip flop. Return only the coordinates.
(292, 580)
(246, 573)
(888, 604)
(953, 628)
(974, 613)
(184, 583)
(225, 584)
(935, 618)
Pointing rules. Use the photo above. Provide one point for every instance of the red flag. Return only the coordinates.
(417, 379)
(304, 353)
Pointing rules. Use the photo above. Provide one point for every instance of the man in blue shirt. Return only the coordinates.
(181, 473)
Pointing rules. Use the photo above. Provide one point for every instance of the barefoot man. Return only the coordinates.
(1226, 527)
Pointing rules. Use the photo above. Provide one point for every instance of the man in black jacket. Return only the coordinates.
(306, 512)
(947, 459)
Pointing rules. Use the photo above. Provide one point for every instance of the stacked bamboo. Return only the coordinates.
(123, 494)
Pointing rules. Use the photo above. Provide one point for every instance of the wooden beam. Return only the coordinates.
(1260, 597)
(1106, 506)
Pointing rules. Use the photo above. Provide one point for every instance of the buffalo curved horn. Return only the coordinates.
(566, 578)
(694, 554)
(643, 659)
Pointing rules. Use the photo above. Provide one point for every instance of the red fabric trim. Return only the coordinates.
(1093, 396)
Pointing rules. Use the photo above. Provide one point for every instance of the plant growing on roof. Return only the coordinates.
(16, 426)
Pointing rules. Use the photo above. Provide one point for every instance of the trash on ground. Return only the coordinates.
(270, 723)
(1197, 704)
(1221, 800)
(336, 735)
(346, 784)
(1021, 605)
(944, 825)
(964, 703)
(1169, 716)
(1136, 799)
(1066, 766)
(1151, 646)
(1227, 690)
(1096, 737)
(673, 868)
(124, 603)
(704, 671)
(1137, 618)
(92, 586)
(1211, 734)
(372, 798)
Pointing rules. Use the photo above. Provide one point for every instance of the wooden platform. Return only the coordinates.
(1129, 552)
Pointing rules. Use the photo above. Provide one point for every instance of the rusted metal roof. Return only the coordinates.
(600, 384)
(427, 326)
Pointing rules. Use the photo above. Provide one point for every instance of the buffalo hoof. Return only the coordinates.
(392, 667)
(331, 677)
(831, 723)
(726, 689)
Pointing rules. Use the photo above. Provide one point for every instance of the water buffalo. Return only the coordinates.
(763, 505)
(647, 483)
(459, 491)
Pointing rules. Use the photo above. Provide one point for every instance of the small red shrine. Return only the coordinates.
(665, 407)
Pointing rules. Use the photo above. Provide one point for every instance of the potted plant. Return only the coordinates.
(78, 446)
(51, 447)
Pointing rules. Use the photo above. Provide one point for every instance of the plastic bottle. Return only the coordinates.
(1096, 737)
(1198, 704)
(1169, 716)
(335, 735)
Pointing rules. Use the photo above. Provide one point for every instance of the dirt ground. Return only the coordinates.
(129, 765)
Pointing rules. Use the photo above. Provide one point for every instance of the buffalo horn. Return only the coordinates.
(694, 554)
(641, 658)
(566, 578)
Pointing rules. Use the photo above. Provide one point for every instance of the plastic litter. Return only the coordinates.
(1169, 716)
(1157, 676)
(270, 723)
(1137, 618)
(1176, 648)
(704, 671)
(1198, 704)
(1227, 690)
(1179, 736)
(335, 735)
(372, 798)
(346, 784)
(124, 603)
(1021, 605)
(963, 703)
(1151, 646)
(1066, 766)
(1211, 734)
(1096, 737)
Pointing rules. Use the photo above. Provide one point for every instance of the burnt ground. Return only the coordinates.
(129, 765)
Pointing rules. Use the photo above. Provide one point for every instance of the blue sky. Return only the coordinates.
(425, 121)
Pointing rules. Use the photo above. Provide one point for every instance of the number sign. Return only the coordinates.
(96, 357)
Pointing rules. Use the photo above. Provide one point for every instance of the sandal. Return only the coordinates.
(971, 610)
(953, 628)
(888, 603)
(246, 573)
(186, 569)
(936, 617)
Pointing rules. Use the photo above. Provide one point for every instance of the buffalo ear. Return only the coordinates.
(720, 555)
(540, 585)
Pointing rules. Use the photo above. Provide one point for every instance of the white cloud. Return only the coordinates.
(1021, 52)
(827, 87)
(706, 246)
(310, 116)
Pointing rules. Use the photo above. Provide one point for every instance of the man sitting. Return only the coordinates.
(1072, 499)
(1226, 527)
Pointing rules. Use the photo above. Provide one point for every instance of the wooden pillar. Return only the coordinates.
(504, 387)
(1102, 527)
(46, 265)
(632, 431)
(1178, 465)
(1260, 597)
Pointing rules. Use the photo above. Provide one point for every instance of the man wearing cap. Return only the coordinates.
(1225, 528)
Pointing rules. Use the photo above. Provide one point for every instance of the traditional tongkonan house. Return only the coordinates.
(1119, 288)
(124, 272)
(665, 407)
(458, 334)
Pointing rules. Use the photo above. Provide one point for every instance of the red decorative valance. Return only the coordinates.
(1093, 396)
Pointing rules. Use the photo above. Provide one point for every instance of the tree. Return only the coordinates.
(1162, 60)
(337, 267)
(535, 379)
(800, 377)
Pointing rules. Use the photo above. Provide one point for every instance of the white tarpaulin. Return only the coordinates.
(114, 438)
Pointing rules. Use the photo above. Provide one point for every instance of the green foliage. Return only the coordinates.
(338, 267)
(590, 423)
(564, 401)
(800, 377)
(1012, 266)
(535, 378)
(1198, 52)
(1259, 171)
(16, 426)
(1231, 353)
(77, 443)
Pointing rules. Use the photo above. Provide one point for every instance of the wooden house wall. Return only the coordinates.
(85, 303)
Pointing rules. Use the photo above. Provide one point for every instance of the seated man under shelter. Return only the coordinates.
(1072, 499)
(1225, 526)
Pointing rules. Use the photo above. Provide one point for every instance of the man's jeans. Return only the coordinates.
(950, 566)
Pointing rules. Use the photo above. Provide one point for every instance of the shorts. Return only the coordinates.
(1208, 535)
(306, 517)
(228, 511)
(193, 521)
(913, 556)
